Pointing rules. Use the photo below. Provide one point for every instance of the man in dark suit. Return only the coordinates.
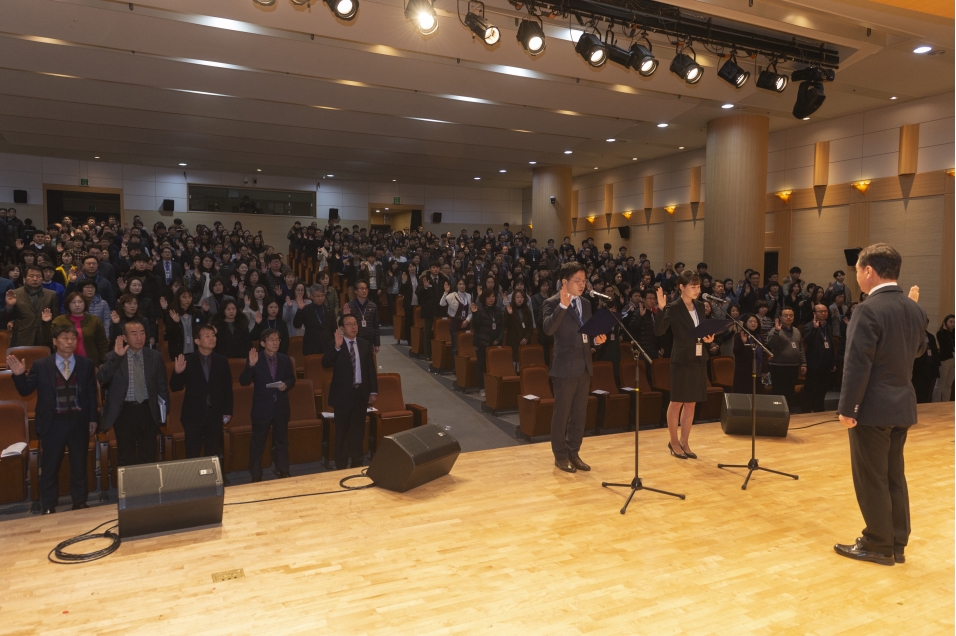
(31, 309)
(878, 403)
(272, 376)
(207, 404)
(366, 311)
(137, 382)
(354, 388)
(318, 320)
(563, 315)
(821, 359)
(65, 413)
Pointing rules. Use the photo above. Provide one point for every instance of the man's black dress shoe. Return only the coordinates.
(858, 552)
(80, 506)
(565, 465)
(578, 463)
(898, 557)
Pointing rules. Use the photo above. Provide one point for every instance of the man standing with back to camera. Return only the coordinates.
(564, 314)
(878, 402)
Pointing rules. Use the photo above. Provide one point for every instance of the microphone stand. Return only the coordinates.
(753, 464)
(636, 483)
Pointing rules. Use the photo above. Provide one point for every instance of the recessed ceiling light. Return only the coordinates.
(662, 125)
(611, 139)
(595, 167)
(96, 157)
(502, 171)
(806, 119)
(633, 158)
(182, 164)
(477, 178)
(894, 97)
(330, 175)
(386, 208)
(532, 162)
(726, 106)
(680, 147)
(922, 49)
(394, 180)
(567, 152)
(258, 169)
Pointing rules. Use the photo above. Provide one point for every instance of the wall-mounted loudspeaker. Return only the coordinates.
(19, 196)
(414, 457)
(333, 214)
(168, 205)
(436, 217)
(625, 231)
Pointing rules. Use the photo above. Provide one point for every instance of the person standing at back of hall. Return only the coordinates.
(563, 315)
(878, 402)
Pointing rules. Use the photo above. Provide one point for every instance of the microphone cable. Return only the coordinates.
(342, 484)
(62, 557)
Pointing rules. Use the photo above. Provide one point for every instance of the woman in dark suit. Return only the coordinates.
(688, 359)
(232, 331)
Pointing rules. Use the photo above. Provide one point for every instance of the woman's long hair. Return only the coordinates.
(219, 320)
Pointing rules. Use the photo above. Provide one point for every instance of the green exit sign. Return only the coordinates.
(84, 182)
(396, 200)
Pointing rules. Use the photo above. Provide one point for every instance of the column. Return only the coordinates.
(736, 188)
(551, 220)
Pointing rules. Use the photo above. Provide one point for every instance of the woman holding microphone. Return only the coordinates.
(688, 359)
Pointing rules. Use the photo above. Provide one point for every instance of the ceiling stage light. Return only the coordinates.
(482, 28)
(343, 9)
(687, 68)
(531, 36)
(642, 60)
(423, 16)
(731, 73)
(809, 98)
(772, 81)
(592, 49)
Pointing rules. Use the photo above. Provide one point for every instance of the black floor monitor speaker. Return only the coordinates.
(773, 415)
(169, 496)
(414, 457)
(333, 214)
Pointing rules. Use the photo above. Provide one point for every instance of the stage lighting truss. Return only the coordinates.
(531, 36)
(422, 14)
(731, 73)
(475, 20)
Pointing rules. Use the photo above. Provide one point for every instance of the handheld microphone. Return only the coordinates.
(714, 299)
(599, 295)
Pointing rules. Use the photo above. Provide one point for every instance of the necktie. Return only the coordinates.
(139, 378)
(66, 369)
(169, 273)
(272, 362)
(574, 310)
(352, 354)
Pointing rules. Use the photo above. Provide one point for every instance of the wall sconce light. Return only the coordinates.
(861, 185)
(591, 219)
(670, 209)
(951, 172)
(530, 226)
(785, 195)
(627, 215)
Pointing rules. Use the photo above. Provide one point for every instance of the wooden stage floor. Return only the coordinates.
(508, 544)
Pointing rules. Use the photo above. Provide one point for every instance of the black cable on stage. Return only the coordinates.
(70, 558)
(799, 428)
(344, 488)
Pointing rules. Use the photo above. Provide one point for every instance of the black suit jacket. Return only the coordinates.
(340, 391)
(886, 333)
(679, 321)
(160, 271)
(42, 379)
(269, 403)
(115, 372)
(819, 356)
(571, 356)
(218, 388)
(319, 323)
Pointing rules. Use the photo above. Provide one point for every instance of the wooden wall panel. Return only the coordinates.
(858, 235)
(946, 277)
(783, 232)
(670, 240)
(649, 192)
(689, 242)
(695, 184)
(552, 220)
(575, 201)
(821, 163)
(818, 238)
(909, 148)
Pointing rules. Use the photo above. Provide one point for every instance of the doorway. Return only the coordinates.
(771, 261)
(83, 204)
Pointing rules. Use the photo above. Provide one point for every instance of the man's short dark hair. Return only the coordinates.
(569, 269)
(796, 270)
(63, 327)
(679, 264)
(47, 266)
(701, 264)
(344, 316)
(649, 291)
(208, 327)
(839, 272)
(85, 282)
(268, 332)
(362, 282)
(135, 320)
(32, 268)
(883, 258)
(89, 256)
(141, 258)
(753, 272)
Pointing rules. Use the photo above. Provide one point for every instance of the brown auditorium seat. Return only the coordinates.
(236, 367)
(393, 414)
(529, 355)
(614, 407)
(501, 383)
(627, 351)
(15, 469)
(298, 358)
(174, 437)
(534, 415)
(709, 410)
(652, 402)
(4, 345)
(315, 372)
(466, 362)
(722, 372)
(8, 392)
(238, 433)
(442, 359)
(305, 428)
(661, 377)
(109, 460)
(418, 332)
(398, 318)
(29, 354)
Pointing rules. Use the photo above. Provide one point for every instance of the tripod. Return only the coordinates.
(753, 464)
(636, 483)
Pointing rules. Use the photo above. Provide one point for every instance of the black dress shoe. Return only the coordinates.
(688, 453)
(565, 465)
(898, 557)
(80, 506)
(680, 455)
(577, 463)
(860, 553)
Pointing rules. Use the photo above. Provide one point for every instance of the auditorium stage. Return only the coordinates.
(508, 544)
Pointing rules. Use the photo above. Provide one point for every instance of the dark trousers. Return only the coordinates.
(815, 389)
(876, 456)
(570, 414)
(350, 429)
(427, 336)
(784, 380)
(280, 445)
(136, 433)
(63, 434)
(454, 327)
(924, 389)
(481, 355)
(205, 435)
(409, 318)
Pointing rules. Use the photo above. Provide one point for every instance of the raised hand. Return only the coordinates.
(708, 339)
(642, 309)
(180, 364)
(11, 298)
(173, 315)
(565, 296)
(278, 291)
(288, 301)
(253, 357)
(16, 366)
(914, 293)
(46, 315)
(72, 275)
(120, 346)
(242, 288)
(474, 307)
(300, 302)
(661, 299)
(776, 324)
(258, 317)
(205, 305)
(163, 303)
(347, 309)
(114, 317)
(509, 309)
(18, 244)
(447, 287)
(121, 283)
(339, 338)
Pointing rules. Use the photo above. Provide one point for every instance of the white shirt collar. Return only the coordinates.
(60, 359)
(881, 286)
